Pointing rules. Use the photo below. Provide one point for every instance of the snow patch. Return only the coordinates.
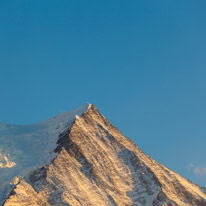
(5, 162)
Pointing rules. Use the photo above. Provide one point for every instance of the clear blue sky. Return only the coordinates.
(142, 63)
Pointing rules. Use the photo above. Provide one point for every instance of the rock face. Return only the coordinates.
(96, 165)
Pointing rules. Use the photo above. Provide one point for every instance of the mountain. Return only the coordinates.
(79, 158)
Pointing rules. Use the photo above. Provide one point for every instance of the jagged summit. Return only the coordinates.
(93, 163)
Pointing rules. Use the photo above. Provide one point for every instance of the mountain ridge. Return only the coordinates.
(96, 160)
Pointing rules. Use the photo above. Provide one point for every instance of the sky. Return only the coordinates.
(142, 63)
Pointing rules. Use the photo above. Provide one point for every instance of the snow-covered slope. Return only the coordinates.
(25, 147)
(94, 165)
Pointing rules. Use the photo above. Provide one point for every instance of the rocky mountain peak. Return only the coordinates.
(95, 164)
